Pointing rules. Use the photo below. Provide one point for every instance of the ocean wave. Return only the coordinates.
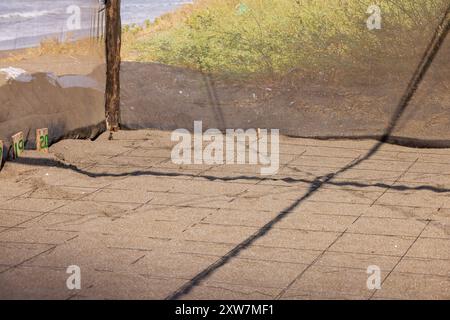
(28, 14)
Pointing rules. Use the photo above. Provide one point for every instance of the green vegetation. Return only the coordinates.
(277, 37)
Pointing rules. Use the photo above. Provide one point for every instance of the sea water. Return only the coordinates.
(24, 23)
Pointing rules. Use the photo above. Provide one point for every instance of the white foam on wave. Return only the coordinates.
(16, 74)
(28, 14)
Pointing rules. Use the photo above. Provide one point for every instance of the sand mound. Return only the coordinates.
(70, 105)
(163, 97)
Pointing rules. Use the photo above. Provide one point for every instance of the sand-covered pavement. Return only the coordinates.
(141, 227)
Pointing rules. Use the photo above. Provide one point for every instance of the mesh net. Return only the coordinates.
(52, 68)
(309, 68)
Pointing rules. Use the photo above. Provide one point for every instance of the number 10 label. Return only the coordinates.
(18, 144)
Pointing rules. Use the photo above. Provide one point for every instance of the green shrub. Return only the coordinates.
(274, 38)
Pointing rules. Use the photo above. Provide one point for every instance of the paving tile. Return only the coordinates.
(346, 196)
(424, 266)
(123, 286)
(11, 218)
(357, 260)
(150, 152)
(439, 228)
(36, 235)
(87, 255)
(172, 214)
(124, 160)
(355, 174)
(240, 217)
(331, 281)
(430, 248)
(258, 273)
(297, 239)
(56, 221)
(218, 233)
(332, 208)
(434, 179)
(124, 196)
(279, 254)
(424, 199)
(387, 226)
(384, 165)
(103, 209)
(315, 161)
(30, 204)
(401, 212)
(191, 200)
(271, 203)
(211, 290)
(373, 244)
(10, 190)
(413, 286)
(424, 167)
(327, 151)
(145, 183)
(35, 283)
(142, 226)
(321, 295)
(168, 265)
(14, 253)
(316, 222)
(131, 241)
(52, 177)
(62, 193)
(228, 188)
(176, 247)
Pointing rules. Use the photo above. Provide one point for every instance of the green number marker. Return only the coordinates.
(241, 8)
(18, 144)
(42, 140)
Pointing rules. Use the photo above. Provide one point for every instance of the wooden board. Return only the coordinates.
(42, 140)
(18, 144)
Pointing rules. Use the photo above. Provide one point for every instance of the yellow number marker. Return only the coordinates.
(18, 144)
(42, 140)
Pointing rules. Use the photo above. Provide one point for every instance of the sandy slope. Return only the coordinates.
(57, 102)
(159, 96)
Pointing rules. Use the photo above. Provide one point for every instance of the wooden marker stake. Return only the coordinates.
(18, 144)
(42, 140)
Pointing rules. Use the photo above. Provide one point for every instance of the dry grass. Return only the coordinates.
(53, 46)
(311, 38)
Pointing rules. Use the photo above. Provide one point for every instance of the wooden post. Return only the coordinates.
(113, 46)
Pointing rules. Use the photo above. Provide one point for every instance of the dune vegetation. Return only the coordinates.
(275, 38)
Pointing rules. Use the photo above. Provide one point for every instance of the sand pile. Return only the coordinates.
(68, 105)
(168, 98)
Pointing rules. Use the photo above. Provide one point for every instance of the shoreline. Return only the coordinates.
(34, 41)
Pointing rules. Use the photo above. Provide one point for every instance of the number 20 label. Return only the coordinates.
(42, 140)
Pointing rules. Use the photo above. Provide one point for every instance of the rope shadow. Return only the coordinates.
(41, 162)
